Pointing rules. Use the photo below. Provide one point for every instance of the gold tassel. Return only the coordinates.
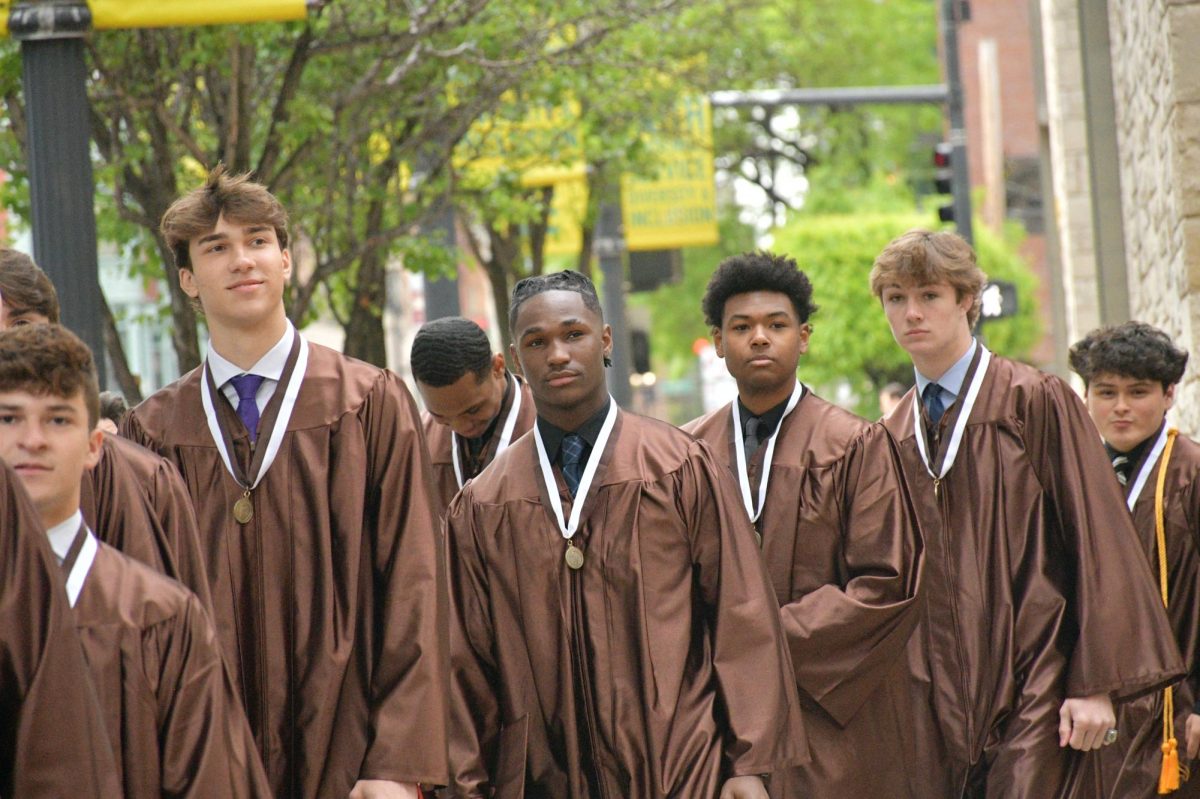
(1168, 778)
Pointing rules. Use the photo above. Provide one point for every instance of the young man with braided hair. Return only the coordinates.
(473, 407)
(838, 532)
(1130, 372)
(172, 716)
(1040, 610)
(133, 498)
(613, 633)
(311, 483)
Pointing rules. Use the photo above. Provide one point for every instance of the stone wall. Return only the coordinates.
(1072, 201)
(1156, 87)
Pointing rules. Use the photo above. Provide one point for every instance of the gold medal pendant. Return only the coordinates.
(574, 556)
(243, 509)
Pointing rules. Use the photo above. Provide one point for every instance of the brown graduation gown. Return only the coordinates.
(439, 440)
(52, 739)
(841, 544)
(326, 603)
(1036, 589)
(1129, 768)
(174, 719)
(656, 670)
(136, 501)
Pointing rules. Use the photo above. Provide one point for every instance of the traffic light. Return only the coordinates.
(943, 178)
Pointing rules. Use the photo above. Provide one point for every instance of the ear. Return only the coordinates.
(95, 447)
(606, 337)
(718, 342)
(187, 282)
(497, 366)
(805, 332)
(287, 265)
(1169, 396)
(517, 367)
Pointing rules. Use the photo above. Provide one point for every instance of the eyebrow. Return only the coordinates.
(246, 231)
(749, 316)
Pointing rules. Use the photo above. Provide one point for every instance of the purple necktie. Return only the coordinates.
(246, 387)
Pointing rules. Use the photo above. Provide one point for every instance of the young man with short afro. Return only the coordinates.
(834, 521)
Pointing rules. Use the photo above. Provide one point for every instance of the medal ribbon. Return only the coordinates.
(77, 563)
(510, 424)
(274, 419)
(960, 424)
(743, 476)
(1147, 465)
(568, 529)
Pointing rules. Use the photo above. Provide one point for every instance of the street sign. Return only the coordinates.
(122, 14)
(998, 300)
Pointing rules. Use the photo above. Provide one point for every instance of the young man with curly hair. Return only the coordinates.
(612, 630)
(1130, 372)
(474, 409)
(1039, 608)
(312, 487)
(834, 523)
(172, 716)
(133, 498)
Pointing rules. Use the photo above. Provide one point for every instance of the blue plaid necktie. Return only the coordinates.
(934, 407)
(246, 387)
(572, 460)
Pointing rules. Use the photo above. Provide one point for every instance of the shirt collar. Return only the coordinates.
(768, 421)
(62, 535)
(951, 381)
(589, 431)
(269, 365)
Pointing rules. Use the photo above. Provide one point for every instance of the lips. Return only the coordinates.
(30, 468)
(560, 379)
(761, 360)
(245, 285)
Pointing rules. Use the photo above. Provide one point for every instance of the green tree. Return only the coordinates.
(349, 117)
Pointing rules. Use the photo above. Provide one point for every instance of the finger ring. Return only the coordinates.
(1110, 737)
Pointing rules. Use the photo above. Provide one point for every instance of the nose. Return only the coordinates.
(1122, 404)
(557, 354)
(912, 311)
(759, 337)
(241, 258)
(34, 438)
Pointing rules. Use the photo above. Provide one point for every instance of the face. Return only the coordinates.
(761, 340)
(561, 346)
(1126, 410)
(468, 405)
(930, 321)
(238, 273)
(48, 443)
(10, 318)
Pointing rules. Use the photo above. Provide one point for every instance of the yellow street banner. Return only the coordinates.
(116, 14)
(677, 205)
(542, 147)
(568, 206)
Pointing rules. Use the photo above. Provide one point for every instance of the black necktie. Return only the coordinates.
(572, 460)
(932, 398)
(751, 438)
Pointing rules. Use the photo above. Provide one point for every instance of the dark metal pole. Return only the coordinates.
(961, 173)
(60, 167)
(610, 249)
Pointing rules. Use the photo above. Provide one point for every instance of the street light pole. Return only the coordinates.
(961, 173)
(61, 189)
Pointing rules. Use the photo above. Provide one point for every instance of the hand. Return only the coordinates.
(1083, 722)
(744, 788)
(384, 789)
(1193, 736)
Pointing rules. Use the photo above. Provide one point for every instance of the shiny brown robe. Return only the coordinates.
(52, 738)
(136, 501)
(1036, 588)
(173, 717)
(656, 670)
(1129, 768)
(842, 547)
(326, 603)
(439, 440)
